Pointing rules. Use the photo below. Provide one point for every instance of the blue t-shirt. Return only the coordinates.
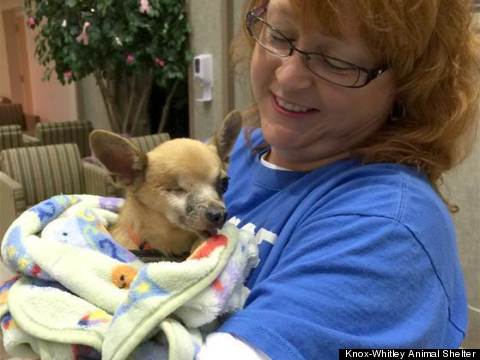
(351, 256)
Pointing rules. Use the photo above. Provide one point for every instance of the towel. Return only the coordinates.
(79, 294)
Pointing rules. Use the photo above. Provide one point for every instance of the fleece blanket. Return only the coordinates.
(79, 294)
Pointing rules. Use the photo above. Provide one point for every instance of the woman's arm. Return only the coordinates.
(353, 281)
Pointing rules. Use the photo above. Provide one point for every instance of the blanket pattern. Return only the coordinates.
(79, 294)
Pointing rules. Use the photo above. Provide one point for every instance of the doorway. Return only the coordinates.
(17, 57)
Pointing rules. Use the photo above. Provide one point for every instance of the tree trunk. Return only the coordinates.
(126, 100)
(107, 100)
(142, 95)
(166, 107)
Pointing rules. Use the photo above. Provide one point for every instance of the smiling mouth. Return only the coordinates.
(291, 108)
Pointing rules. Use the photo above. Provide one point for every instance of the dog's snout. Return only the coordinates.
(216, 216)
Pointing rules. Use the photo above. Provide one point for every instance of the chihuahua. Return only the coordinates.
(173, 193)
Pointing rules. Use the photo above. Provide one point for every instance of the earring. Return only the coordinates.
(398, 112)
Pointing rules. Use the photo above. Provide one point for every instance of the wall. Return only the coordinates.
(4, 76)
(51, 100)
(13, 61)
(214, 23)
(210, 34)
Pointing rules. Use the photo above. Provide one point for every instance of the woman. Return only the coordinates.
(361, 107)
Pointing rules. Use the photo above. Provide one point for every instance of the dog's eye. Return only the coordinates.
(176, 190)
(222, 185)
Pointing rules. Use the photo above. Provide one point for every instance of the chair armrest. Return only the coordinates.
(31, 122)
(13, 201)
(30, 140)
(98, 181)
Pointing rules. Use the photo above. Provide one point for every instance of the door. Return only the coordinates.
(17, 58)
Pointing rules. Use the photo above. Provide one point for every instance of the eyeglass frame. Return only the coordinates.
(255, 14)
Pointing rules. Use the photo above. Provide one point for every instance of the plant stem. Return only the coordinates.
(145, 93)
(130, 94)
(114, 101)
(106, 101)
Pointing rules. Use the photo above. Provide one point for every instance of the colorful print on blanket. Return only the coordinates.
(78, 293)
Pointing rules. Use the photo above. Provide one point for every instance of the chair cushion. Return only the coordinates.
(12, 114)
(75, 132)
(10, 136)
(148, 142)
(45, 171)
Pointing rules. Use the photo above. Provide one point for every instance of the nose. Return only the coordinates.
(216, 216)
(292, 73)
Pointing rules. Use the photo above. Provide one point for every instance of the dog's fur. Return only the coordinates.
(174, 192)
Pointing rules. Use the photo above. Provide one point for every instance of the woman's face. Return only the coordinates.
(338, 118)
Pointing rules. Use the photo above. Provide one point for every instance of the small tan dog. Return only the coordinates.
(173, 193)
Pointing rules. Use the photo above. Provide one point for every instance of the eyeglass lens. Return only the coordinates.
(329, 68)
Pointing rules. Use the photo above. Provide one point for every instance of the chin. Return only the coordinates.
(279, 136)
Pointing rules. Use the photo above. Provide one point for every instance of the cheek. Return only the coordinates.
(176, 204)
(159, 200)
(260, 69)
(150, 193)
(376, 107)
(371, 104)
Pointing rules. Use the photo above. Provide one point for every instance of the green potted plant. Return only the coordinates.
(126, 44)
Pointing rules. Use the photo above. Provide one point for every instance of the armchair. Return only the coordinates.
(30, 175)
(75, 132)
(11, 136)
(148, 142)
(12, 114)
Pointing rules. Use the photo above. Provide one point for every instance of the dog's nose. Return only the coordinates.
(216, 216)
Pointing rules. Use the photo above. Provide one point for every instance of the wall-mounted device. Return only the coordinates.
(203, 72)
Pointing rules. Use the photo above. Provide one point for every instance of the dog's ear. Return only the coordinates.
(224, 138)
(120, 156)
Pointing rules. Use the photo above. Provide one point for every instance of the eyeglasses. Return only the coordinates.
(331, 69)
